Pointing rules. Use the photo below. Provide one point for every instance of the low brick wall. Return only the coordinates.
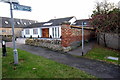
(50, 44)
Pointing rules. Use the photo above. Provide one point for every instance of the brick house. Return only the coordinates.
(61, 29)
(19, 24)
(50, 29)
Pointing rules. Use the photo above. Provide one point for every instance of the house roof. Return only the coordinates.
(18, 23)
(80, 27)
(79, 22)
(58, 21)
(52, 22)
(34, 25)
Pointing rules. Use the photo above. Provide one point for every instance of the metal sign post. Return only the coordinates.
(14, 45)
(82, 39)
(16, 6)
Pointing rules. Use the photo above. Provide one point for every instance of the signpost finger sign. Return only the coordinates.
(21, 7)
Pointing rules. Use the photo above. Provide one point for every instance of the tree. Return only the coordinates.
(106, 18)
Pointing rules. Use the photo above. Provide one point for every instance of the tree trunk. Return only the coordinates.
(104, 40)
(98, 37)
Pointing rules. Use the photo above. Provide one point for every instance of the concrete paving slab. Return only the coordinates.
(78, 51)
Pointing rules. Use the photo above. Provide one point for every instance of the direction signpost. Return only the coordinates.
(21, 7)
(14, 5)
(9, 1)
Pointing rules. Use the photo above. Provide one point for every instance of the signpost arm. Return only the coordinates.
(13, 38)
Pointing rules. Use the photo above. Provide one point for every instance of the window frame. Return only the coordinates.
(27, 31)
(35, 31)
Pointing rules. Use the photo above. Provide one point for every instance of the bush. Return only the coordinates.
(7, 38)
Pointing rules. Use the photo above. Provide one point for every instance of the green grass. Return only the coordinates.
(45, 68)
(0, 63)
(100, 53)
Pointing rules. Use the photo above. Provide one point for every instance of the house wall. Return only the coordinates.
(51, 30)
(8, 31)
(0, 22)
(72, 35)
(31, 32)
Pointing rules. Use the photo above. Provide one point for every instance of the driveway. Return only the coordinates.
(96, 68)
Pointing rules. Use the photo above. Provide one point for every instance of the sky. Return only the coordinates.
(44, 10)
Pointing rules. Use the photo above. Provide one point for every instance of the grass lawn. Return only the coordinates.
(100, 53)
(33, 66)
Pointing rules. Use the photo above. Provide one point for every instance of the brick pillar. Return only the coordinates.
(66, 35)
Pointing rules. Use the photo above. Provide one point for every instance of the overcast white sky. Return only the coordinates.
(44, 10)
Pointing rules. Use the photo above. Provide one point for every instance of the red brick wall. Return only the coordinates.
(70, 35)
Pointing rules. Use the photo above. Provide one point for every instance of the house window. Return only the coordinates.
(24, 23)
(10, 31)
(18, 22)
(0, 31)
(6, 22)
(27, 31)
(3, 30)
(53, 32)
(35, 31)
(84, 24)
(58, 32)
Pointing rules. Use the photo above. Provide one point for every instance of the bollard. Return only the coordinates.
(82, 53)
(4, 48)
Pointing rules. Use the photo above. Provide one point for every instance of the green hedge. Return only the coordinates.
(7, 38)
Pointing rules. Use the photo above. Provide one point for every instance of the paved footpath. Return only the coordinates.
(78, 51)
(96, 68)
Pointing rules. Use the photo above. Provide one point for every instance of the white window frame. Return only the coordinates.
(27, 31)
(35, 33)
